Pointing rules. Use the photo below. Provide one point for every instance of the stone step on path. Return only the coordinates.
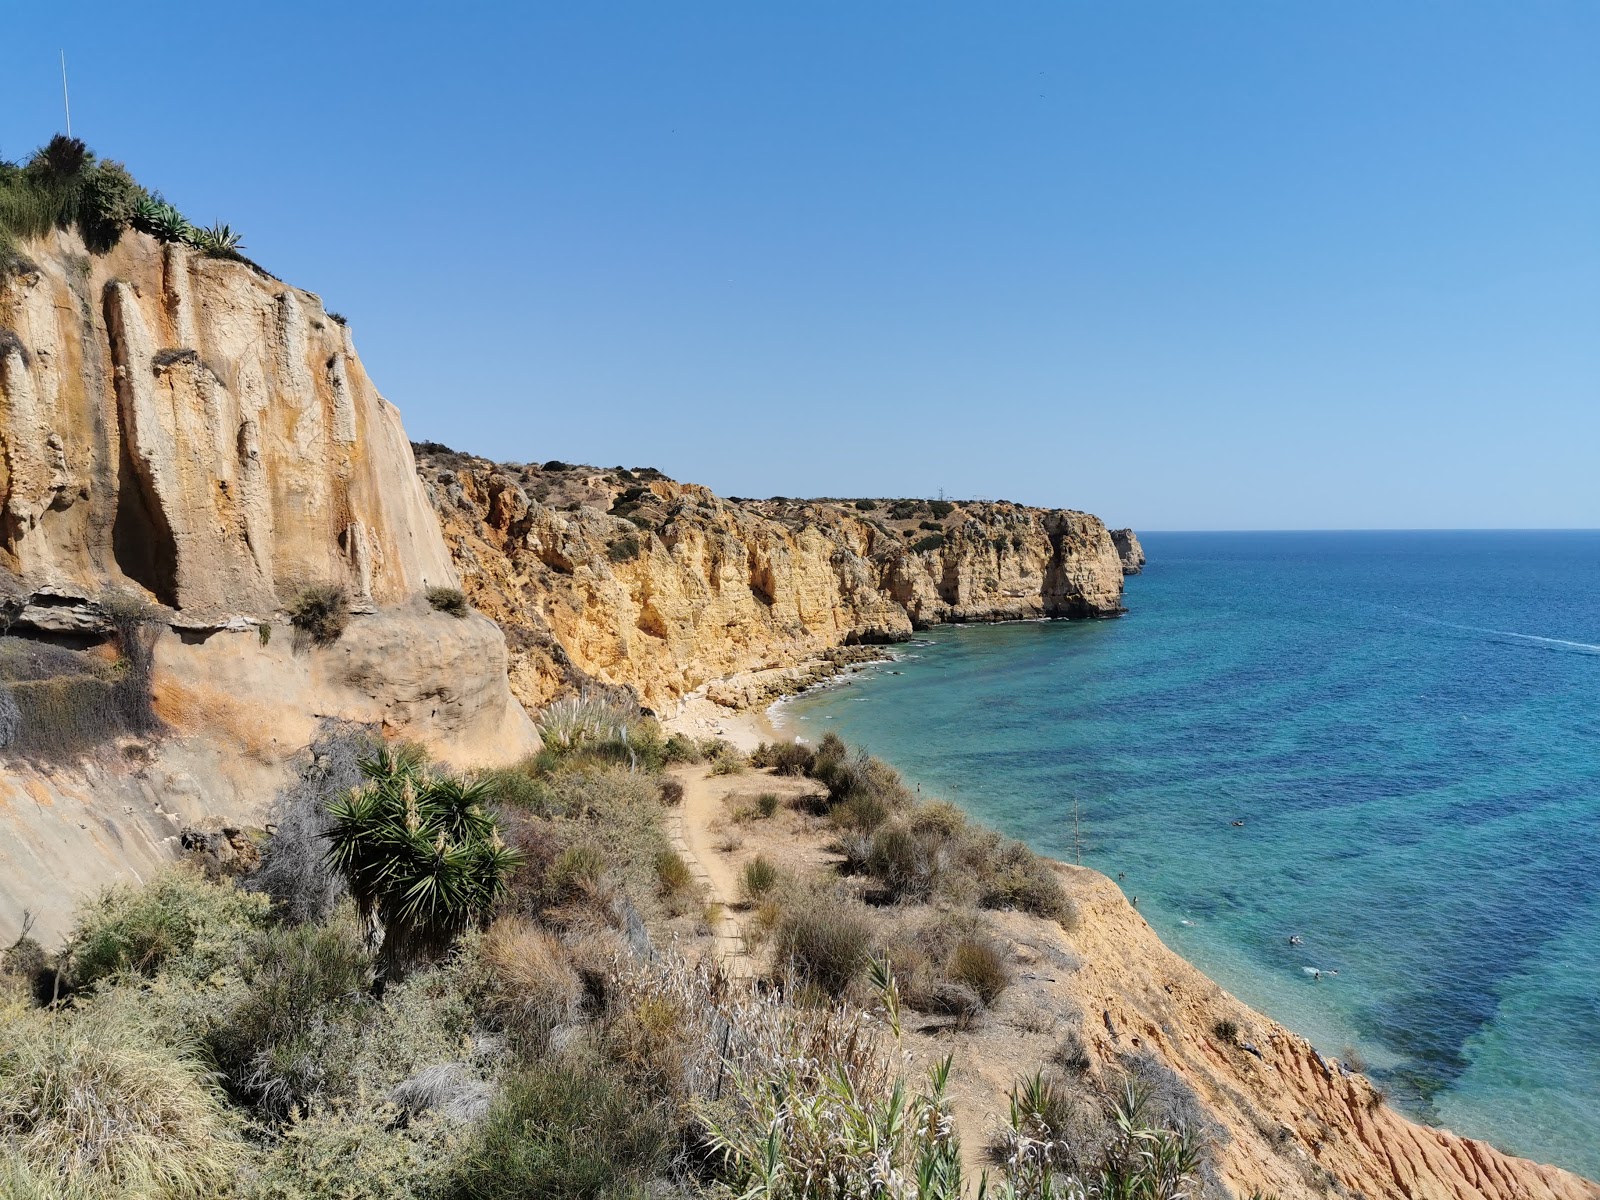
(730, 945)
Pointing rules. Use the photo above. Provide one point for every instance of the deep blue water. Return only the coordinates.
(1406, 722)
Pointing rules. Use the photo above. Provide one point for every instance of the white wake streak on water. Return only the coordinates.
(1585, 648)
(1581, 647)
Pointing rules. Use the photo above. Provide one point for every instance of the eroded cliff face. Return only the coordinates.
(631, 579)
(196, 430)
(189, 431)
(1129, 550)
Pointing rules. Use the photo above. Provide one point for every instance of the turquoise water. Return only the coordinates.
(1407, 723)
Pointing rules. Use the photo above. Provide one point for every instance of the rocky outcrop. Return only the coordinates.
(1128, 550)
(630, 579)
(191, 432)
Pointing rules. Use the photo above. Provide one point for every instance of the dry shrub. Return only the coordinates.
(673, 873)
(320, 612)
(758, 878)
(356, 1152)
(533, 985)
(93, 1097)
(448, 600)
(980, 964)
(823, 940)
(294, 868)
(767, 805)
(784, 758)
(1072, 1055)
(671, 792)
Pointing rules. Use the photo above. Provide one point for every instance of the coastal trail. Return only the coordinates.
(711, 842)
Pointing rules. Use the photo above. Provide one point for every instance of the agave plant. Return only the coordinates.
(161, 220)
(421, 854)
(218, 239)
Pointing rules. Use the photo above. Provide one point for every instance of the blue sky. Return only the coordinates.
(1220, 265)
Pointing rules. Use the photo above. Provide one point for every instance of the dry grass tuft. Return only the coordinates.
(92, 1097)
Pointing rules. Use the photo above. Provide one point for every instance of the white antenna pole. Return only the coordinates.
(65, 102)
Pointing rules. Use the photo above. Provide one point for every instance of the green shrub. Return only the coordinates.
(932, 542)
(866, 505)
(178, 922)
(1226, 1031)
(728, 761)
(941, 508)
(321, 612)
(517, 787)
(562, 1132)
(680, 749)
(979, 964)
(448, 600)
(758, 878)
(767, 804)
(297, 978)
(625, 549)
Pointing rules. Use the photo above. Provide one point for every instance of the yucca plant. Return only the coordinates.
(421, 854)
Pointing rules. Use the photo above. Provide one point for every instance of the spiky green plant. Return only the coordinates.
(155, 216)
(218, 239)
(421, 854)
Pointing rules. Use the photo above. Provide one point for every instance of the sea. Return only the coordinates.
(1352, 776)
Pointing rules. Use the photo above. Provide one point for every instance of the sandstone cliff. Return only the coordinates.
(631, 579)
(191, 431)
(1129, 550)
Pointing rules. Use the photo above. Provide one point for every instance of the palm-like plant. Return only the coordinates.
(421, 854)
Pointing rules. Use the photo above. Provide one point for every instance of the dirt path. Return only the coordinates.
(689, 826)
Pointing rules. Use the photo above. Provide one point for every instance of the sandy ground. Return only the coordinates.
(698, 717)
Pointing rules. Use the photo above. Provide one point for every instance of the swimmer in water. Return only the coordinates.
(1238, 824)
(1296, 940)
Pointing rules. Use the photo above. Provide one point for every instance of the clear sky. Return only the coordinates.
(1186, 265)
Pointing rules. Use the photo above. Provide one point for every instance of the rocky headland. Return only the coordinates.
(631, 579)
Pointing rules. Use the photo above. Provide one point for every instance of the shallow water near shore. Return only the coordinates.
(1408, 726)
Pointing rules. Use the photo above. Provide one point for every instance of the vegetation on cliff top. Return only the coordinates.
(64, 186)
(250, 1038)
